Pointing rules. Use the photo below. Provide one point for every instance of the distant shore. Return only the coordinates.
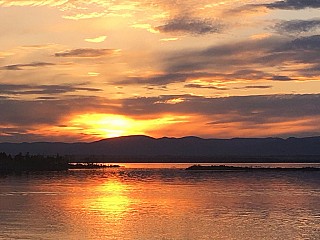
(35, 163)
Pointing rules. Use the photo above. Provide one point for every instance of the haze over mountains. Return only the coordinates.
(138, 146)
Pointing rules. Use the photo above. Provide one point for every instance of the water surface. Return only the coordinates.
(160, 203)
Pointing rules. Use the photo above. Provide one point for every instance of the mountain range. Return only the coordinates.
(185, 148)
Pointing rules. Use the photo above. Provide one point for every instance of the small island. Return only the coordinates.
(238, 168)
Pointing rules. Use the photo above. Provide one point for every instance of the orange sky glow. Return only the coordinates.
(87, 70)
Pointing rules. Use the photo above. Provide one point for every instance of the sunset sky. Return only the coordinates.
(83, 70)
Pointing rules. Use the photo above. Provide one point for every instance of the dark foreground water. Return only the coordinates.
(160, 203)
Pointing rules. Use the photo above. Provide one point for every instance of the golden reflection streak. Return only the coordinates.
(111, 198)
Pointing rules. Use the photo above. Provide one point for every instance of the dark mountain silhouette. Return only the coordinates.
(171, 149)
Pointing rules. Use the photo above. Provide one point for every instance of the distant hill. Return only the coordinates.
(184, 148)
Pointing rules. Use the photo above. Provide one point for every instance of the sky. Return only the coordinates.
(84, 70)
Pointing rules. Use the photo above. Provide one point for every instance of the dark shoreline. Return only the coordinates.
(39, 163)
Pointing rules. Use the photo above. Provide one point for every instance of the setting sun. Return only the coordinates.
(110, 125)
(106, 125)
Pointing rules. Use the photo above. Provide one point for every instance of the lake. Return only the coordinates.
(148, 201)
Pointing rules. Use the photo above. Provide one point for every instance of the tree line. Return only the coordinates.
(27, 162)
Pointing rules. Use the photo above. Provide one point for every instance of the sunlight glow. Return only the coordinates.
(110, 125)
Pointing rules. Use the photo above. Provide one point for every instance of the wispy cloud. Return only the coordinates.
(281, 78)
(9, 3)
(195, 85)
(250, 58)
(282, 5)
(85, 52)
(258, 87)
(294, 4)
(163, 79)
(297, 26)
(80, 16)
(191, 25)
(26, 66)
(24, 89)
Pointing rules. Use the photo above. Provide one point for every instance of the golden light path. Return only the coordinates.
(111, 125)
(111, 198)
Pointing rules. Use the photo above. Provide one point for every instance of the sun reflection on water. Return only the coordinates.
(111, 198)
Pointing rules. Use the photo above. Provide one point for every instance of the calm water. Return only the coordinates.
(160, 203)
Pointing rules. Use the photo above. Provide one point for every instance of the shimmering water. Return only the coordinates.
(160, 203)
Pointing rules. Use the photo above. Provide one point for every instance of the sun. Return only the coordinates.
(113, 125)
(106, 125)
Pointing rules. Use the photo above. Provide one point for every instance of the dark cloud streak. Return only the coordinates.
(193, 85)
(164, 79)
(293, 4)
(194, 26)
(85, 52)
(282, 5)
(258, 87)
(16, 67)
(24, 89)
(297, 26)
